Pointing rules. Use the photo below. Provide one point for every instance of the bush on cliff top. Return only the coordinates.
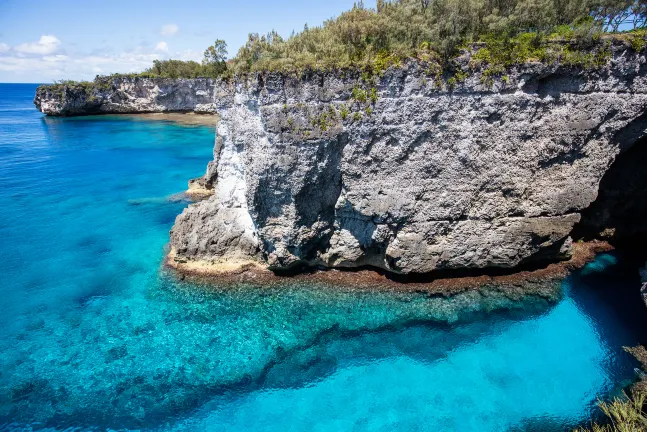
(513, 31)
(400, 29)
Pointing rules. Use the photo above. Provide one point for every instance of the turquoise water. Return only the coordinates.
(96, 335)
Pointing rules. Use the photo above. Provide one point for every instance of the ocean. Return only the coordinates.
(97, 335)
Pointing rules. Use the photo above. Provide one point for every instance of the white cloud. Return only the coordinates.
(17, 67)
(4, 47)
(188, 55)
(47, 44)
(169, 29)
(55, 58)
(161, 46)
(84, 67)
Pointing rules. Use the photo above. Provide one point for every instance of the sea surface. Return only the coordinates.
(96, 335)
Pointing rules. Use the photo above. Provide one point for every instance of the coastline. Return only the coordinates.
(515, 283)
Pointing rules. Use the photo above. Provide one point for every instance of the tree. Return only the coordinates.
(612, 13)
(215, 58)
(639, 11)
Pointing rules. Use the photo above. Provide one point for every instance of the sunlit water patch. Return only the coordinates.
(95, 335)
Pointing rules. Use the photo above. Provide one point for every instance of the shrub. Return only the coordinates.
(624, 415)
(372, 40)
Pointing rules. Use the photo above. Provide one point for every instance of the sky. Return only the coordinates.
(43, 41)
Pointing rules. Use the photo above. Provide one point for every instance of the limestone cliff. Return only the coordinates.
(409, 171)
(108, 95)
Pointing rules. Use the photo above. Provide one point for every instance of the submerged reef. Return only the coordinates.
(138, 362)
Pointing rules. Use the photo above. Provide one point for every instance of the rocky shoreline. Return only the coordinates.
(540, 282)
(421, 179)
(407, 172)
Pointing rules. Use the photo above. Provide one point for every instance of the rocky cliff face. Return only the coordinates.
(407, 172)
(128, 95)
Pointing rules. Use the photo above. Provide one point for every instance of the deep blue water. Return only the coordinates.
(96, 335)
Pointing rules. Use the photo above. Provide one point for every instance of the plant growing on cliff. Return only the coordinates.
(344, 111)
(374, 39)
(625, 415)
(174, 69)
(628, 413)
(359, 95)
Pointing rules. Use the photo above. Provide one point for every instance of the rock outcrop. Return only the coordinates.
(108, 95)
(408, 172)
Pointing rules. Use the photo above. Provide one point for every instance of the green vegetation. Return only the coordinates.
(213, 65)
(173, 69)
(579, 45)
(626, 414)
(374, 39)
(344, 111)
(369, 41)
(359, 95)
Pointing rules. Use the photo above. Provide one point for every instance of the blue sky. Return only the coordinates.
(42, 41)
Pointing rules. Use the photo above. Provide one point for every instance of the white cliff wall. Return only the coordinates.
(402, 172)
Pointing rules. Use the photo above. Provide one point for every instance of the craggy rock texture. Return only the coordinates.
(423, 177)
(129, 95)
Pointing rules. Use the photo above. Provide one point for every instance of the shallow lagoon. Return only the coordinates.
(96, 335)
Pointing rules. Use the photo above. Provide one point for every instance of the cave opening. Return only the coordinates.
(619, 213)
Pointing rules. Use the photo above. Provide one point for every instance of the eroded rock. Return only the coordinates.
(410, 176)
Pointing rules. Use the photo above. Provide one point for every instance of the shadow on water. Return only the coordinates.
(608, 291)
(605, 291)
(140, 401)
(422, 340)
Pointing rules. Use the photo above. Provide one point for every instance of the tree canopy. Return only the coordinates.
(402, 27)
(375, 38)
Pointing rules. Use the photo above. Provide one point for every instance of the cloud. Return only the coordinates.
(83, 67)
(4, 47)
(188, 55)
(55, 58)
(17, 67)
(47, 44)
(161, 46)
(169, 29)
